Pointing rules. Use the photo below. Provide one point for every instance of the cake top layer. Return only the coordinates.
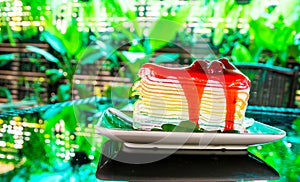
(199, 72)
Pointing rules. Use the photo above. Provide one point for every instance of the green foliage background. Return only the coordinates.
(272, 33)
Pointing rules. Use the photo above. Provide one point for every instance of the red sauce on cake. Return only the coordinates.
(194, 78)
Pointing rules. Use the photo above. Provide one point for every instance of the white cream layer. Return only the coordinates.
(163, 101)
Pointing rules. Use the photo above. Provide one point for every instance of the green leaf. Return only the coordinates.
(44, 53)
(229, 6)
(241, 54)
(167, 57)
(90, 55)
(54, 75)
(72, 39)
(283, 56)
(1, 37)
(233, 15)
(165, 28)
(186, 126)
(263, 35)
(53, 78)
(64, 92)
(218, 33)
(131, 15)
(255, 51)
(113, 8)
(89, 9)
(6, 93)
(168, 127)
(6, 58)
(85, 143)
(294, 51)
(118, 10)
(35, 61)
(10, 36)
(136, 48)
(283, 37)
(231, 131)
(296, 125)
(156, 129)
(53, 71)
(222, 9)
(54, 42)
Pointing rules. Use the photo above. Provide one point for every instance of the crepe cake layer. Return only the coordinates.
(214, 95)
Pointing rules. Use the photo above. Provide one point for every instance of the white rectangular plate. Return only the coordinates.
(258, 133)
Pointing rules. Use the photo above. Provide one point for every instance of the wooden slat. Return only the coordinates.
(12, 76)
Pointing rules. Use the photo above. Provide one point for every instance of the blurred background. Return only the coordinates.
(62, 63)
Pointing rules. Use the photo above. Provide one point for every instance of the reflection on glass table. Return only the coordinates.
(182, 165)
(282, 155)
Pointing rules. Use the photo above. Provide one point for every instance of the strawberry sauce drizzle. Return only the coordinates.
(194, 78)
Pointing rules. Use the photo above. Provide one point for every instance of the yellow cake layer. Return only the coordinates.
(164, 101)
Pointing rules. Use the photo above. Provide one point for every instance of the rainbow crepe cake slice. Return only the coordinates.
(212, 94)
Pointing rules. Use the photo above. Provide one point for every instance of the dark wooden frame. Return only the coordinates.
(270, 72)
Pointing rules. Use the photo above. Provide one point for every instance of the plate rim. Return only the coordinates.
(280, 131)
(115, 134)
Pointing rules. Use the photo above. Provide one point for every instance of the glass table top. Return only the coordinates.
(275, 161)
